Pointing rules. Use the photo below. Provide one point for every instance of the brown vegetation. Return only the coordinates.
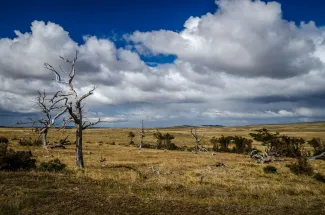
(120, 179)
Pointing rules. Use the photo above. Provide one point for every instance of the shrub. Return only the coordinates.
(15, 160)
(263, 135)
(280, 145)
(319, 177)
(290, 146)
(242, 145)
(301, 166)
(148, 146)
(221, 144)
(3, 139)
(30, 142)
(52, 166)
(318, 146)
(270, 169)
(164, 141)
(131, 135)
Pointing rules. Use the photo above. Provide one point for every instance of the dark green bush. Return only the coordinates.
(30, 142)
(301, 166)
(3, 139)
(164, 141)
(131, 135)
(270, 169)
(319, 177)
(15, 160)
(148, 146)
(242, 145)
(264, 135)
(318, 146)
(221, 144)
(279, 145)
(52, 166)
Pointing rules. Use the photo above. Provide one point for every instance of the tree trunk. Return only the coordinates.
(141, 141)
(79, 155)
(44, 139)
(197, 146)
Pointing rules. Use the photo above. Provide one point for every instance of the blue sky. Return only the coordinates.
(172, 86)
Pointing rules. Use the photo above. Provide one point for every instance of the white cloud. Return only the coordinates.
(242, 63)
(243, 37)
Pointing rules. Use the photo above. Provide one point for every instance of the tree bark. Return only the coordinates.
(318, 157)
(79, 154)
(45, 140)
(197, 146)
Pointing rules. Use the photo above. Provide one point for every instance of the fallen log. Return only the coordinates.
(318, 157)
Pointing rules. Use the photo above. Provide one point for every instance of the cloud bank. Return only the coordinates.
(243, 64)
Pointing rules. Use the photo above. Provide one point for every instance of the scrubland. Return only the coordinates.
(120, 179)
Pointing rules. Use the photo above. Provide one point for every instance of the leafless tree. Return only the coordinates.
(197, 138)
(47, 108)
(74, 106)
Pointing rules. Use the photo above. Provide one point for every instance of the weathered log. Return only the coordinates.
(318, 157)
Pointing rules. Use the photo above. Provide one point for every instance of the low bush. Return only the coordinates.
(318, 146)
(148, 146)
(30, 142)
(280, 145)
(301, 166)
(319, 177)
(242, 145)
(270, 169)
(164, 141)
(3, 139)
(221, 144)
(15, 160)
(52, 166)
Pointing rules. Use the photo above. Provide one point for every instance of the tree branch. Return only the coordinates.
(88, 124)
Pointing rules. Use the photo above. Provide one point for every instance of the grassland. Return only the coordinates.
(160, 182)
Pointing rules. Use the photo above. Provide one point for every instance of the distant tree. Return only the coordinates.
(74, 107)
(131, 136)
(47, 108)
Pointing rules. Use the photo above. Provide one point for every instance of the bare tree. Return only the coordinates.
(47, 107)
(74, 106)
(196, 138)
(142, 134)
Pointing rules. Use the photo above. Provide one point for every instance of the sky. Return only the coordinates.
(185, 62)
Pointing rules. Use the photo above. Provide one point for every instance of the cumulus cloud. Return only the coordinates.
(243, 37)
(241, 64)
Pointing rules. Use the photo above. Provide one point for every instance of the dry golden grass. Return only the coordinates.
(181, 183)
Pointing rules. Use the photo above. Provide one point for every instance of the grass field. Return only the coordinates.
(120, 179)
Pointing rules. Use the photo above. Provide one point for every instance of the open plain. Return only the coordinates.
(120, 179)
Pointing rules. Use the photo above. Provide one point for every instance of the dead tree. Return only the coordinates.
(47, 108)
(74, 106)
(142, 135)
(196, 138)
